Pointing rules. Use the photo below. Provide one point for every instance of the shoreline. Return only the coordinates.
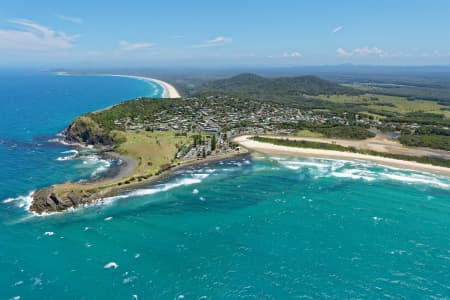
(125, 170)
(169, 91)
(245, 142)
(129, 164)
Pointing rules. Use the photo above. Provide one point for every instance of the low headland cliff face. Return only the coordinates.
(83, 131)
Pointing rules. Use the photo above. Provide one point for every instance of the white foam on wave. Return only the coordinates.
(157, 189)
(200, 176)
(306, 164)
(71, 151)
(90, 159)
(73, 154)
(317, 165)
(104, 166)
(416, 178)
(355, 174)
(360, 170)
(278, 158)
(94, 161)
(21, 201)
(111, 265)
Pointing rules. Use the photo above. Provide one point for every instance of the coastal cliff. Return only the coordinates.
(84, 130)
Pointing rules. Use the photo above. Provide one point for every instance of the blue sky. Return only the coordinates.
(223, 33)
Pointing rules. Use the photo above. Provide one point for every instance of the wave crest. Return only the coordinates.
(360, 170)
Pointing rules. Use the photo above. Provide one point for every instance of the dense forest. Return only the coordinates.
(281, 89)
(420, 118)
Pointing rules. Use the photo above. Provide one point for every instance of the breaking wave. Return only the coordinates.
(94, 162)
(20, 201)
(73, 154)
(360, 170)
(156, 189)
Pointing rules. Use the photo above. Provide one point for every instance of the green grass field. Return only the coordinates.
(396, 104)
(151, 150)
(308, 133)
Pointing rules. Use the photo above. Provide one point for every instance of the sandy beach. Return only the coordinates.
(169, 90)
(245, 141)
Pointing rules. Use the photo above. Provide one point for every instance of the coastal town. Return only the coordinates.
(220, 118)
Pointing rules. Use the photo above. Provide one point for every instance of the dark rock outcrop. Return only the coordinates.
(46, 201)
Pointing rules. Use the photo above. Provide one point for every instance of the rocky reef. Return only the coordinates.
(46, 200)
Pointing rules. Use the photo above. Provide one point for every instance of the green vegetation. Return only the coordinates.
(151, 150)
(431, 141)
(308, 133)
(86, 130)
(287, 90)
(346, 132)
(384, 103)
(310, 92)
(213, 143)
(255, 85)
(326, 146)
(438, 92)
(331, 130)
(137, 110)
(153, 153)
(421, 118)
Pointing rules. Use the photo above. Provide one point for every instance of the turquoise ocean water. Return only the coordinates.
(259, 227)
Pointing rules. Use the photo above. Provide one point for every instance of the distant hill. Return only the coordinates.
(253, 85)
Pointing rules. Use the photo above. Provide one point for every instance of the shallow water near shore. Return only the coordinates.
(255, 227)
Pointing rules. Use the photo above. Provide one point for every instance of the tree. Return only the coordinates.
(213, 143)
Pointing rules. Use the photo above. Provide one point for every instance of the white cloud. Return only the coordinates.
(70, 19)
(292, 54)
(337, 29)
(362, 52)
(438, 53)
(128, 46)
(217, 41)
(32, 36)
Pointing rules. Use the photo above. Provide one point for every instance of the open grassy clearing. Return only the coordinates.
(151, 150)
(386, 103)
